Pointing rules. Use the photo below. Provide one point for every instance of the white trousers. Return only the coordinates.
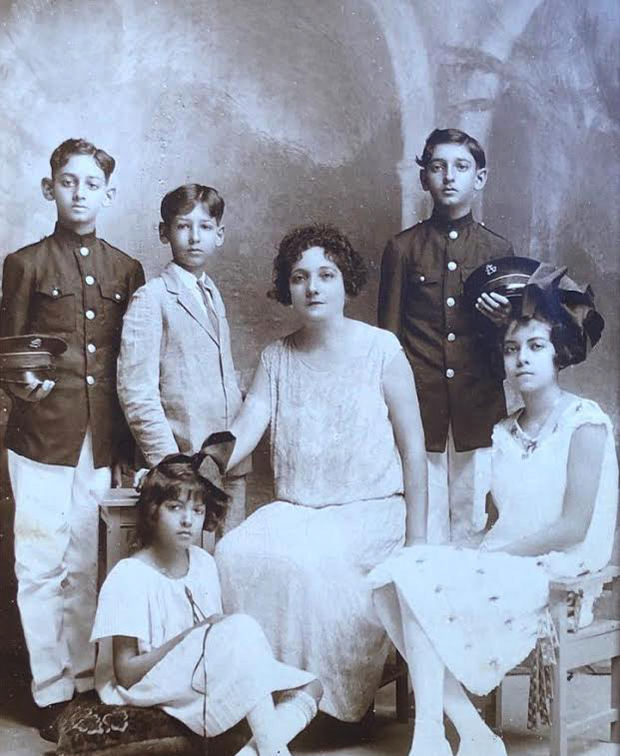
(458, 483)
(56, 527)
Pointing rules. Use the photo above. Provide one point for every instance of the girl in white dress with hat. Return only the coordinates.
(466, 616)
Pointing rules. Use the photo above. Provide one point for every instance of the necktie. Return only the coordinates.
(211, 314)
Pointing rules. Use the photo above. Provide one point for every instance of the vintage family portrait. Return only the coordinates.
(309, 387)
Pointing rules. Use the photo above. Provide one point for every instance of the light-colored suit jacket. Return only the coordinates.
(176, 378)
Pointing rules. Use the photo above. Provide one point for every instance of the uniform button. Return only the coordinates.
(452, 265)
(450, 301)
(84, 251)
(451, 337)
(89, 280)
(453, 234)
(90, 314)
(449, 373)
(90, 380)
(422, 279)
(117, 296)
(55, 292)
(91, 348)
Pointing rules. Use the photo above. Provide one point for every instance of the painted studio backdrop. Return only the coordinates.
(302, 110)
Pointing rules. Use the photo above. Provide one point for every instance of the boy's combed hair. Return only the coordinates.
(62, 153)
(173, 480)
(337, 247)
(451, 136)
(184, 199)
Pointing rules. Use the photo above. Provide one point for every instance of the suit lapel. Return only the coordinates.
(187, 301)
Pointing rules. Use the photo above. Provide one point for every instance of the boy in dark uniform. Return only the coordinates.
(65, 437)
(421, 301)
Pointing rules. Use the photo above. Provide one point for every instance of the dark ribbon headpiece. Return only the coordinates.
(552, 290)
(209, 463)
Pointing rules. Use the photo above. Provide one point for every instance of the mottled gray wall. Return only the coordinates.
(291, 109)
(287, 107)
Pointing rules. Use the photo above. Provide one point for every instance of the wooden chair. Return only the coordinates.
(398, 673)
(599, 641)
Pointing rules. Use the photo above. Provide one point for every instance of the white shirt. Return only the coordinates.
(191, 282)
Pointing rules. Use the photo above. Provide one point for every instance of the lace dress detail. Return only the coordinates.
(298, 565)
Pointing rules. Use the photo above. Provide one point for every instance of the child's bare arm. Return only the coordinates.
(131, 666)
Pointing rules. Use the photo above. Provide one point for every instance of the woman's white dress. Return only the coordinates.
(138, 601)
(299, 564)
(483, 611)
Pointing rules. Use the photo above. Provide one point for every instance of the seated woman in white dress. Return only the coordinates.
(465, 615)
(347, 449)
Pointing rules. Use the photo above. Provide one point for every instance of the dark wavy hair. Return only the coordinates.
(451, 136)
(176, 479)
(184, 199)
(337, 248)
(62, 153)
(566, 337)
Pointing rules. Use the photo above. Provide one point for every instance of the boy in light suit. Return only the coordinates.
(176, 378)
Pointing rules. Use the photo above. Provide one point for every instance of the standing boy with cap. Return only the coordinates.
(65, 436)
(421, 301)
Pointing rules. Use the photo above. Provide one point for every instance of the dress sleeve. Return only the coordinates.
(390, 346)
(269, 356)
(586, 412)
(123, 606)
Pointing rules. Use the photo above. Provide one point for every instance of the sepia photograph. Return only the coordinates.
(309, 378)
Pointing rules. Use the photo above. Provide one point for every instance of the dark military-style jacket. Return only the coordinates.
(421, 301)
(75, 287)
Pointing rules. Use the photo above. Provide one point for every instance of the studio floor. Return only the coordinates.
(326, 738)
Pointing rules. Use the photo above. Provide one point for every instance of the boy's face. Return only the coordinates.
(193, 238)
(453, 179)
(79, 190)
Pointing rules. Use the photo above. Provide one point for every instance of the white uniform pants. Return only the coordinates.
(458, 483)
(56, 526)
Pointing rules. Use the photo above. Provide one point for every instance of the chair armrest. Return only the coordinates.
(564, 585)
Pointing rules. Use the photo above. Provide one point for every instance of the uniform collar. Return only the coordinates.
(441, 223)
(66, 236)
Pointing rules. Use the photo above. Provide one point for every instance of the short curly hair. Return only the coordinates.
(337, 248)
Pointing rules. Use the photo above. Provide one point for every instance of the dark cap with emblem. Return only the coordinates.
(534, 286)
(29, 357)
